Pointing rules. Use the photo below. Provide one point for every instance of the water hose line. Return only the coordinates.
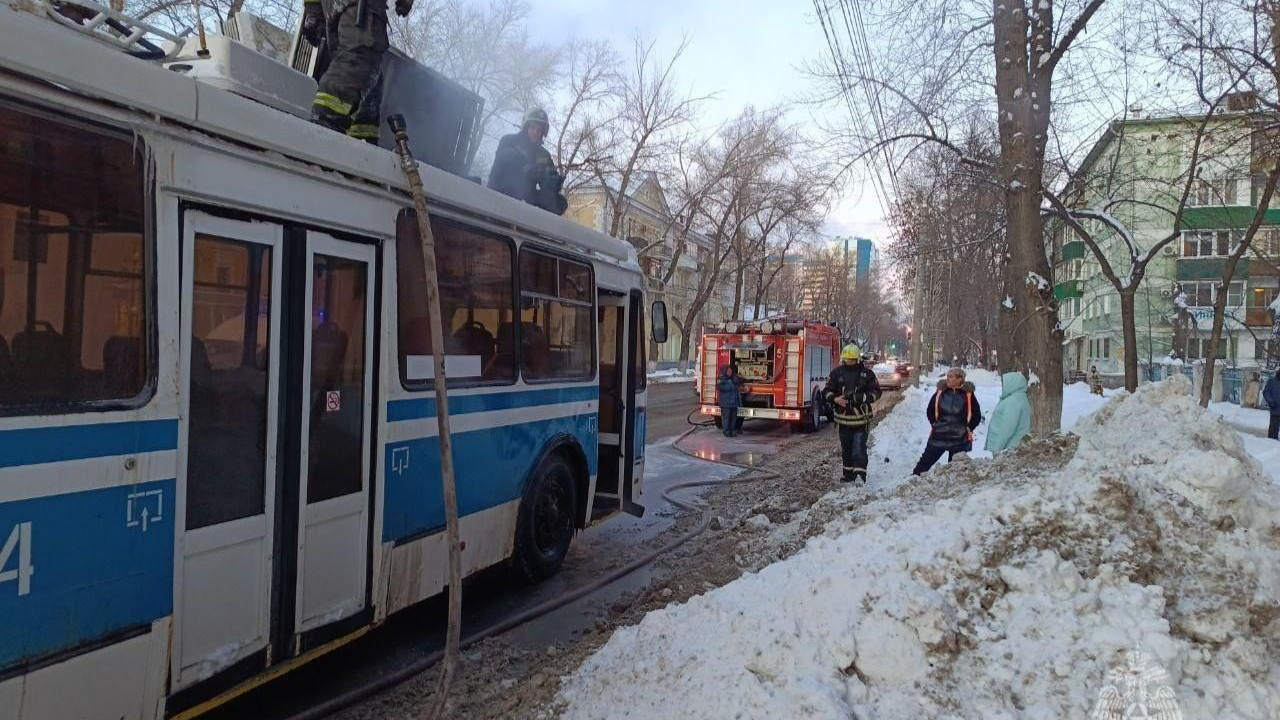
(406, 672)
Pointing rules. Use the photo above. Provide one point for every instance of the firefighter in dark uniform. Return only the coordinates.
(851, 389)
(523, 169)
(354, 33)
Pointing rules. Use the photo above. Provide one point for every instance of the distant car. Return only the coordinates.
(903, 369)
(888, 377)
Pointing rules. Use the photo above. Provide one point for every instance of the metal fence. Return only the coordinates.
(1232, 385)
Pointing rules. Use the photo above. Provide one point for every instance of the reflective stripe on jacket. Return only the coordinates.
(859, 386)
(953, 414)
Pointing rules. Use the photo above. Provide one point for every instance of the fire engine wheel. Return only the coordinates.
(812, 420)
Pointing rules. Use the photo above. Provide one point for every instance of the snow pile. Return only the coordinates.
(993, 590)
(1213, 470)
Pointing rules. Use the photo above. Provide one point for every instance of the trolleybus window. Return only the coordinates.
(477, 302)
(557, 340)
(72, 299)
(230, 324)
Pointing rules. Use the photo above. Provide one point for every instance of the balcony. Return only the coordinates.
(1209, 268)
(1074, 250)
(1257, 317)
(1068, 289)
(1225, 217)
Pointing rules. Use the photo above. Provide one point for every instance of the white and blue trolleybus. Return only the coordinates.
(218, 440)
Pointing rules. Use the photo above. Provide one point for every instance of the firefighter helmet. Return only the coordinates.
(536, 116)
(851, 352)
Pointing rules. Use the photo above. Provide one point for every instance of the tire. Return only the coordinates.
(812, 420)
(545, 523)
(719, 422)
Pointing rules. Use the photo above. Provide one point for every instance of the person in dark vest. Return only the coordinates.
(1271, 395)
(730, 400)
(348, 96)
(523, 169)
(953, 414)
(851, 389)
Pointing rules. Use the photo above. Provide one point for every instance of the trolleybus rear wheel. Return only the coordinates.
(544, 527)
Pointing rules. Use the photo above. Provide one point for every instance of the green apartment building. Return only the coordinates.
(1136, 173)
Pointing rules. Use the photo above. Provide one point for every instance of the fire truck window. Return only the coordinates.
(557, 331)
(73, 315)
(476, 302)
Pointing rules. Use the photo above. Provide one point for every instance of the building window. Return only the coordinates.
(557, 321)
(1198, 348)
(1211, 243)
(477, 304)
(1262, 349)
(1261, 297)
(1204, 293)
(1216, 191)
(1267, 242)
(1106, 347)
(73, 309)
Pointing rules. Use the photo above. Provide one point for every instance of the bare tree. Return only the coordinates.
(593, 88)
(950, 214)
(929, 67)
(487, 49)
(179, 15)
(1233, 45)
(651, 120)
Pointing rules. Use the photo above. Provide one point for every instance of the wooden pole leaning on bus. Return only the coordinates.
(410, 166)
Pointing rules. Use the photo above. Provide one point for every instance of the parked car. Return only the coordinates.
(903, 369)
(888, 377)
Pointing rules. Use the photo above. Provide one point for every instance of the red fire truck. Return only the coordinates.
(785, 362)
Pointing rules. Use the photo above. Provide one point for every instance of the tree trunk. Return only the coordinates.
(1130, 331)
(738, 282)
(1229, 273)
(1030, 326)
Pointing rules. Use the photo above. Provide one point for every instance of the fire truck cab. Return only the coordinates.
(785, 362)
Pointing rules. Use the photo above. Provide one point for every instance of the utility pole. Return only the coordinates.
(917, 321)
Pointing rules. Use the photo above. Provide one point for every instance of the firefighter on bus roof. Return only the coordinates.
(852, 388)
(354, 33)
(523, 168)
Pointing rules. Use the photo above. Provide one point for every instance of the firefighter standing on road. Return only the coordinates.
(852, 388)
(354, 33)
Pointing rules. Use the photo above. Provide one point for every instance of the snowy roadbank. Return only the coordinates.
(991, 589)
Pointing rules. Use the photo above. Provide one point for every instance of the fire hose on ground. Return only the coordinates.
(406, 672)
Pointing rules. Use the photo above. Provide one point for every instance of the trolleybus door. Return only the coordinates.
(615, 401)
(637, 400)
(337, 399)
(230, 370)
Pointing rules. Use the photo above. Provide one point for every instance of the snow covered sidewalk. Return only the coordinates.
(1013, 588)
(897, 442)
(674, 375)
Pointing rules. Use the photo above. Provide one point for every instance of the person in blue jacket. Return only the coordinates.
(730, 399)
(1011, 420)
(1271, 393)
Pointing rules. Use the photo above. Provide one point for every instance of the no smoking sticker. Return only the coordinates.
(333, 401)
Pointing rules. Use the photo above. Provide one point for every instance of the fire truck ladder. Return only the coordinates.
(127, 33)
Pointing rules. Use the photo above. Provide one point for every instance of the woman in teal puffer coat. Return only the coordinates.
(1011, 420)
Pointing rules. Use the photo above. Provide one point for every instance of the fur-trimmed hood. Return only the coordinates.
(966, 386)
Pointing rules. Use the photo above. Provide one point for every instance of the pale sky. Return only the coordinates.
(745, 51)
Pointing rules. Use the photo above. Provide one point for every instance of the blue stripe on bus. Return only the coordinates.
(490, 466)
(33, 446)
(425, 407)
(96, 567)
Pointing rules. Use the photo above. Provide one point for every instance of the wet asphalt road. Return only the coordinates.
(494, 595)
